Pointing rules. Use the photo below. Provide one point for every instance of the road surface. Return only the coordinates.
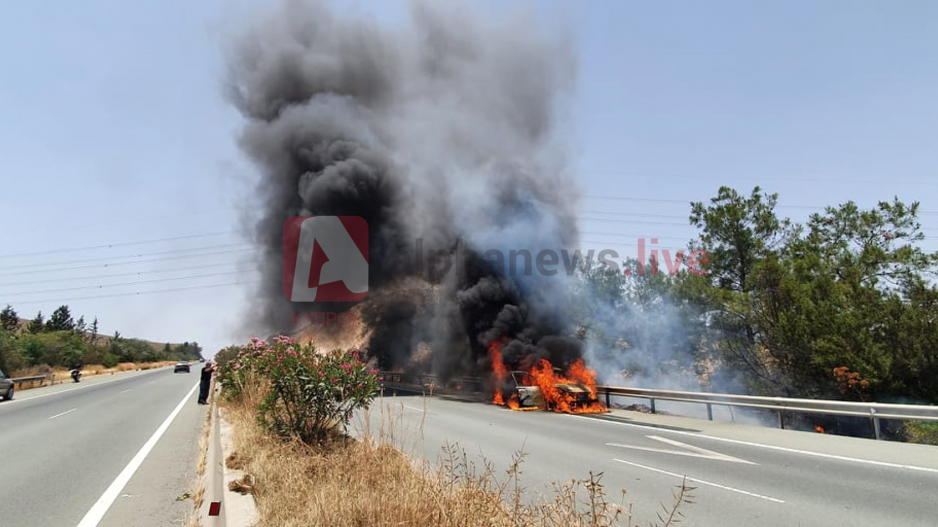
(62, 448)
(744, 475)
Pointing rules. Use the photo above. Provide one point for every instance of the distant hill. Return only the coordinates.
(105, 340)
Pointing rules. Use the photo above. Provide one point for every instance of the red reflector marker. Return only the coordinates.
(214, 508)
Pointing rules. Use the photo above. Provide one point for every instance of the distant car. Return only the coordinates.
(181, 366)
(6, 386)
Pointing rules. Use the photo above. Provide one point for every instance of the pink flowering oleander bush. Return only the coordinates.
(230, 379)
(307, 392)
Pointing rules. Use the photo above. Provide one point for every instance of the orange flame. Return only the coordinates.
(500, 371)
(572, 392)
(579, 398)
(819, 429)
(513, 402)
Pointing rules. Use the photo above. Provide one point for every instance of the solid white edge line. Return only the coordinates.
(63, 413)
(702, 482)
(773, 447)
(97, 511)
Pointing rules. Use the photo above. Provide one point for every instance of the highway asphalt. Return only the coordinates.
(63, 447)
(744, 475)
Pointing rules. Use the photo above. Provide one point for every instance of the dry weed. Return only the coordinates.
(369, 483)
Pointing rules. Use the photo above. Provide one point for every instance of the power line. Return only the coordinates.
(124, 263)
(122, 284)
(688, 202)
(139, 219)
(634, 235)
(700, 177)
(613, 220)
(119, 244)
(921, 230)
(138, 293)
(640, 214)
(124, 257)
(115, 275)
(648, 246)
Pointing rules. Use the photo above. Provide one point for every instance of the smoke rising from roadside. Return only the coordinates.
(447, 130)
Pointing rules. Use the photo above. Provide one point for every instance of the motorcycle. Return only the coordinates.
(76, 375)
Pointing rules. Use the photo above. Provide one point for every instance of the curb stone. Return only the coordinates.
(240, 509)
(214, 475)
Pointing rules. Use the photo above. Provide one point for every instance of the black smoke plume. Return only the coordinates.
(445, 132)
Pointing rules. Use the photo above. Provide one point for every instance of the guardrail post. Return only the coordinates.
(781, 419)
(709, 412)
(652, 406)
(876, 431)
(608, 404)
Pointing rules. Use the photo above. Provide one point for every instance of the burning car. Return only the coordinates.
(529, 394)
(544, 387)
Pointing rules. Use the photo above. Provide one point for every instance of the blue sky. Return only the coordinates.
(113, 130)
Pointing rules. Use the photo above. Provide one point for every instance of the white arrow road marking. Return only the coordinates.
(702, 482)
(691, 451)
(765, 446)
(63, 413)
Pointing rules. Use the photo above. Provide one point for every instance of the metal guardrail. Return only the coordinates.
(780, 405)
(42, 378)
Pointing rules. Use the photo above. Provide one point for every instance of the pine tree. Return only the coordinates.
(61, 320)
(9, 320)
(93, 332)
(36, 325)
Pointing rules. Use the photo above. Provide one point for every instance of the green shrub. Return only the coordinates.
(73, 357)
(924, 432)
(109, 360)
(10, 357)
(308, 392)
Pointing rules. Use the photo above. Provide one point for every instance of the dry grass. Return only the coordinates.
(60, 375)
(154, 365)
(349, 483)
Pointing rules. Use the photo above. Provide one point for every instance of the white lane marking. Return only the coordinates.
(100, 507)
(702, 482)
(21, 399)
(691, 451)
(125, 391)
(408, 407)
(779, 448)
(63, 413)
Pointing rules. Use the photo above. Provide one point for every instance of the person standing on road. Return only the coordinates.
(206, 382)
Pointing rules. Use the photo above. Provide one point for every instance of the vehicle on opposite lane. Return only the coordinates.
(6, 386)
(181, 366)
